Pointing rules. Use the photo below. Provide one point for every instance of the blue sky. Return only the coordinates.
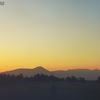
(56, 34)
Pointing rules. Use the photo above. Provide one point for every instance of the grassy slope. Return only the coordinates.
(42, 91)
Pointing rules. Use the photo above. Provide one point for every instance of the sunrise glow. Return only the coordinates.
(56, 34)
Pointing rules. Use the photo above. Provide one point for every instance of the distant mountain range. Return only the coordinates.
(86, 73)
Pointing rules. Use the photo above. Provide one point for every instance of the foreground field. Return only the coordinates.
(50, 91)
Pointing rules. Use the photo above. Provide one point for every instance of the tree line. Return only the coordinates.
(40, 78)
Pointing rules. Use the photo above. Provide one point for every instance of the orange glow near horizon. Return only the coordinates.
(50, 68)
(58, 35)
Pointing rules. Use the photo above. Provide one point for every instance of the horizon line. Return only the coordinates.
(48, 70)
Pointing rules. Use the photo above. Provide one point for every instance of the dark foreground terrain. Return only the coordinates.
(50, 91)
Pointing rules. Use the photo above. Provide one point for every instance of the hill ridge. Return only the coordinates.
(86, 73)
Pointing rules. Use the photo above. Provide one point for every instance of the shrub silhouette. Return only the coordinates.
(98, 80)
(53, 92)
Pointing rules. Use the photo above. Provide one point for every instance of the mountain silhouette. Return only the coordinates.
(86, 73)
(29, 72)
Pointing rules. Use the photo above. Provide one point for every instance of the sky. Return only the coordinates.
(55, 34)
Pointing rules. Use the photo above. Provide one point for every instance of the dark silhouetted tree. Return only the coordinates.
(81, 79)
(73, 78)
(98, 80)
(19, 77)
(68, 79)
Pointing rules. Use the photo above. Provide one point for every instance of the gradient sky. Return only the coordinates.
(55, 34)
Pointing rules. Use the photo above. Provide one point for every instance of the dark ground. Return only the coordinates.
(50, 91)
